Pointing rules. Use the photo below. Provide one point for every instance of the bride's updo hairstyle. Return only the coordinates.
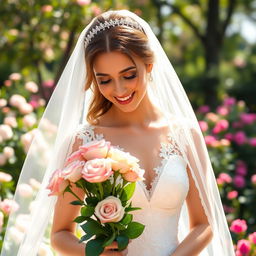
(128, 38)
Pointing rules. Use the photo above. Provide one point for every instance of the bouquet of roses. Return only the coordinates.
(108, 177)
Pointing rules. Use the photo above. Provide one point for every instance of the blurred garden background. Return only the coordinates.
(212, 46)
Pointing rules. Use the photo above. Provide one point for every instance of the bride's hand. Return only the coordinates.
(109, 250)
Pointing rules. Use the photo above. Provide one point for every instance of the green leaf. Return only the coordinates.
(109, 240)
(94, 247)
(80, 219)
(128, 191)
(120, 226)
(129, 209)
(92, 201)
(133, 230)
(87, 211)
(107, 188)
(85, 237)
(93, 227)
(127, 219)
(77, 202)
(122, 242)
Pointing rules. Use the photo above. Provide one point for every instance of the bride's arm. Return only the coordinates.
(200, 230)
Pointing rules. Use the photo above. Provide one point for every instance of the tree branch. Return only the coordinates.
(177, 11)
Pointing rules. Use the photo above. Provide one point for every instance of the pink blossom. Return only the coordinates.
(8, 206)
(203, 125)
(240, 138)
(83, 2)
(238, 226)
(212, 117)
(209, 140)
(25, 108)
(57, 183)
(16, 100)
(228, 209)
(31, 86)
(244, 246)
(46, 8)
(239, 181)
(29, 120)
(73, 172)
(222, 110)
(8, 152)
(220, 126)
(8, 83)
(252, 141)
(252, 237)
(226, 178)
(232, 194)
(241, 167)
(96, 10)
(247, 118)
(3, 159)
(253, 179)
(11, 121)
(48, 83)
(6, 132)
(15, 76)
(229, 101)
(25, 190)
(203, 109)
(225, 142)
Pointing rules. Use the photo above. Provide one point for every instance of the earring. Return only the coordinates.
(150, 77)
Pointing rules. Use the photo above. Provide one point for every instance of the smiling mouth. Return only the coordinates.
(126, 99)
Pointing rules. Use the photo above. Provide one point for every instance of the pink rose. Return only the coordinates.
(109, 210)
(97, 170)
(135, 174)
(212, 117)
(220, 126)
(8, 206)
(240, 138)
(243, 246)
(247, 118)
(203, 126)
(210, 140)
(95, 149)
(252, 237)
(253, 179)
(229, 101)
(226, 178)
(239, 181)
(203, 109)
(241, 168)
(232, 194)
(73, 172)
(238, 226)
(57, 183)
(222, 110)
(252, 141)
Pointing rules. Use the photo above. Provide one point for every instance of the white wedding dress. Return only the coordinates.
(161, 205)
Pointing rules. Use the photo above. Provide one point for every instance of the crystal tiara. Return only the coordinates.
(107, 24)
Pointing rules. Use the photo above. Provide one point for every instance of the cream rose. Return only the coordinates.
(122, 161)
(109, 210)
(97, 170)
(73, 172)
(95, 149)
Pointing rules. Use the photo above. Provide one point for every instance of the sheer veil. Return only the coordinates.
(54, 137)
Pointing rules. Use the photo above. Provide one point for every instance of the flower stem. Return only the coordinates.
(68, 189)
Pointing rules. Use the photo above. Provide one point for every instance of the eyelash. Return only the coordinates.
(128, 77)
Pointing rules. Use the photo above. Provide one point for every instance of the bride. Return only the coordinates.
(119, 85)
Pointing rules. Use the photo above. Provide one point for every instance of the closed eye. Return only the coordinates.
(126, 77)
(130, 77)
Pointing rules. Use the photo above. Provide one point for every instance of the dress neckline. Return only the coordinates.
(164, 152)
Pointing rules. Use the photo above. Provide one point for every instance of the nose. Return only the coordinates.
(120, 90)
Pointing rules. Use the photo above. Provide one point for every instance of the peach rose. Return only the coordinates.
(97, 170)
(8, 206)
(95, 149)
(57, 183)
(122, 161)
(109, 210)
(73, 172)
(135, 174)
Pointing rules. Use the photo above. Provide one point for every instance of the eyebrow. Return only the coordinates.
(122, 71)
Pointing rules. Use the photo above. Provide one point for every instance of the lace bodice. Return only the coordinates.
(161, 204)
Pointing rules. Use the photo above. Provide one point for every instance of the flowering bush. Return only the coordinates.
(230, 134)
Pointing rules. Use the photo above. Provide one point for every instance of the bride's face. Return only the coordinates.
(121, 80)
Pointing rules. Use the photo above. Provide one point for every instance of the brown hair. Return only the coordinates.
(127, 40)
